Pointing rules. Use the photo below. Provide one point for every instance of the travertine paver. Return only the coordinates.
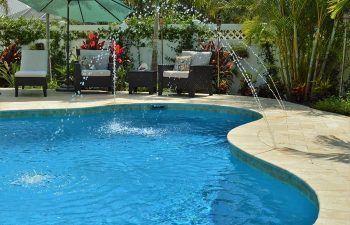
(312, 144)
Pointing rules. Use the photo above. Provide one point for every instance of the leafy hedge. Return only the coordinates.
(335, 104)
(23, 31)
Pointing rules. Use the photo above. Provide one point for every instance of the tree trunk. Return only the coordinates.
(329, 46)
(343, 62)
(288, 61)
(311, 64)
(296, 52)
(315, 71)
(313, 53)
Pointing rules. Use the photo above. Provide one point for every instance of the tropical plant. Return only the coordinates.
(304, 36)
(224, 68)
(11, 54)
(298, 92)
(337, 6)
(121, 83)
(323, 89)
(245, 89)
(9, 61)
(92, 42)
(7, 72)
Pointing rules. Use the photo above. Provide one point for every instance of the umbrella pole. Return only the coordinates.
(67, 45)
(67, 87)
(48, 43)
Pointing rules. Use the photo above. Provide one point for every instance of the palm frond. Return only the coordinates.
(337, 6)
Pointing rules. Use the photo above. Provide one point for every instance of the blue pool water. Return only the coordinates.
(136, 167)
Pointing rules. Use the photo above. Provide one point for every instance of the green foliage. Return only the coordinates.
(22, 31)
(7, 72)
(274, 82)
(240, 50)
(337, 6)
(53, 84)
(323, 89)
(335, 104)
(60, 74)
(121, 84)
(140, 31)
(245, 89)
(58, 56)
(305, 37)
(224, 68)
(187, 34)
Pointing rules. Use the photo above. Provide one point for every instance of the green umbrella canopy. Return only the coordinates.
(83, 10)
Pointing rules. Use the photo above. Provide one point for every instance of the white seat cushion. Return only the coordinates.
(31, 73)
(176, 74)
(96, 73)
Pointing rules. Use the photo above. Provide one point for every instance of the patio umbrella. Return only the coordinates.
(82, 10)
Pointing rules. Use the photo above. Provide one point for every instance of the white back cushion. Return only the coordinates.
(198, 58)
(94, 59)
(34, 60)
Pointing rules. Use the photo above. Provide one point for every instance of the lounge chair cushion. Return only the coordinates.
(95, 73)
(176, 74)
(94, 59)
(182, 63)
(198, 58)
(31, 73)
(34, 60)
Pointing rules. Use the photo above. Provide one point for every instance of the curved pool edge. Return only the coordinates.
(277, 172)
(282, 174)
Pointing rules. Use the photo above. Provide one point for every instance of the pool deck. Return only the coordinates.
(314, 145)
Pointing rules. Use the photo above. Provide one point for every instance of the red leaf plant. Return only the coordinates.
(119, 51)
(11, 54)
(92, 42)
(226, 67)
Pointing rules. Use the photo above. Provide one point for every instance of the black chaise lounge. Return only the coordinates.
(198, 78)
(33, 72)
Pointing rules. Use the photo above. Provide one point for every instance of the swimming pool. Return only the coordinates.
(140, 166)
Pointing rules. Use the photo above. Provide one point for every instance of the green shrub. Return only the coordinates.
(335, 104)
(7, 72)
(23, 31)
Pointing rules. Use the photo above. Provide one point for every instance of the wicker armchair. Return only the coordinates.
(198, 78)
(93, 74)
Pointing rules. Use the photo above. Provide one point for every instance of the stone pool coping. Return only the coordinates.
(311, 144)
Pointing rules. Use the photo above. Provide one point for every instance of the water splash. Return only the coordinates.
(238, 60)
(114, 71)
(249, 82)
(268, 74)
(31, 179)
(124, 128)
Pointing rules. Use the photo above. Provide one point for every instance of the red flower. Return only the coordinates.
(92, 42)
(118, 50)
(92, 36)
